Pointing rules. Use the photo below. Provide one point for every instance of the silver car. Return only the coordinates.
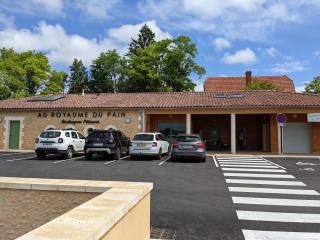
(188, 146)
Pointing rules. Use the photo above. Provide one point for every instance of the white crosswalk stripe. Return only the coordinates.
(248, 166)
(265, 182)
(275, 201)
(258, 175)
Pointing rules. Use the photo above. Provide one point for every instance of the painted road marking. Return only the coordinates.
(273, 163)
(239, 159)
(258, 175)
(165, 159)
(278, 216)
(273, 190)
(247, 166)
(124, 157)
(215, 161)
(59, 161)
(20, 159)
(8, 154)
(276, 201)
(248, 163)
(236, 157)
(276, 235)
(106, 163)
(265, 182)
(252, 170)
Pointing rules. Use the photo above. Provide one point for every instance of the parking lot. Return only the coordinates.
(222, 198)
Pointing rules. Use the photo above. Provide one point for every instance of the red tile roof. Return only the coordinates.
(254, 99)
(226, 84)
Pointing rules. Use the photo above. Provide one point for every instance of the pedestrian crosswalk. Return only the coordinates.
(270, 203)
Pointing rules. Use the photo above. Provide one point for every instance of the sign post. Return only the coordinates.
(281, 119)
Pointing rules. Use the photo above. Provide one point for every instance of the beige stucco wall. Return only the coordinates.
(35, 121)
(24, 210)
(135, 225)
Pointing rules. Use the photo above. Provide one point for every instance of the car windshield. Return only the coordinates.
(50, 134)
(143, 137)
(188, 139)
(99, 134)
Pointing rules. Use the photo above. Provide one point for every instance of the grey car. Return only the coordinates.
(188, 146)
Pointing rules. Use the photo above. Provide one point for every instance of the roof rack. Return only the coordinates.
(69, 129)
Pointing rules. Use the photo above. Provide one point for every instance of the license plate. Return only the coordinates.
(143, 145)
(187, 147)
(98, 144)
(47, 144)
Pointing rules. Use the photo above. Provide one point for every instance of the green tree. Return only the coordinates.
(163, 66)
(106, 72)
(78, 79)
(260, 85)
(313, 86)
(37, 69)
(55, 83)
(5, 91)
(24, 73)
(145, 38)
(179, 64)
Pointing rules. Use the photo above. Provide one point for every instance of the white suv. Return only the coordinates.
(57, 141)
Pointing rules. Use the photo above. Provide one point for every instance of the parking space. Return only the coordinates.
(226, 197)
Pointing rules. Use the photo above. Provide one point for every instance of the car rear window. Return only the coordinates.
(99, 134)
(143, 137)
(188, 139)
(50, 134)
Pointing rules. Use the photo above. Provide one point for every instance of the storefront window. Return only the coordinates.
(171, 129)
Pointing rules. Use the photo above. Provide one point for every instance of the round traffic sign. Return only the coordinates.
(281, 118)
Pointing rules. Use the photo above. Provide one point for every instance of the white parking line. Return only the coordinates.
(265, 182)
(263, 235)
(276, 201)
(20, 159)
(110, 162)
(59, 161)
(279, 216)
(246, 163)
(273, 190)
(124, 157)
(165, 159)
(215, 160)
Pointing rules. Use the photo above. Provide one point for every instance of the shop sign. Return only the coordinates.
(62, 114)
(313, 117)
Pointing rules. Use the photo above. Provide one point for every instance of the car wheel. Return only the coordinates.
(69, 153)
(117, 154)
(159, 156)
(41, 156)
(88, 156)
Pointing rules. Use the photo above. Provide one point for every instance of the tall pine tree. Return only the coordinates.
(145, 38)
(78, 80)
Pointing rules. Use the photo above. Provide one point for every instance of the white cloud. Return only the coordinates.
(221, 43)
(199, 86)
(289, 66)
(52, 7)
(317, 54)
(232, 19)
(62, 48)
(124, 33)
(272, 52)
(300, 88)
(95, 8)
(244, 56)
(6, 21)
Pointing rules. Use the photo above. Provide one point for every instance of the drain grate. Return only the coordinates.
(162, 233)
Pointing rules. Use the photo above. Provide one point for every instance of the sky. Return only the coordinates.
(267, 37)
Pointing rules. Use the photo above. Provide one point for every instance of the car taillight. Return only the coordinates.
(174, 145)
(37, 140)
(154, 144)
(201, 144)
(60, 140)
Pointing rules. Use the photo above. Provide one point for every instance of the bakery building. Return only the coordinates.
(229, 118)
